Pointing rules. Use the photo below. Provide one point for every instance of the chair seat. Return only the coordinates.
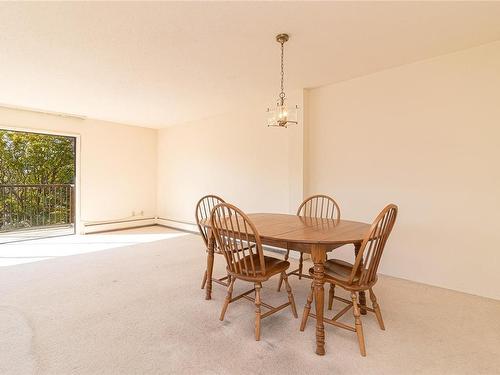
(273, 267)
(338, 270)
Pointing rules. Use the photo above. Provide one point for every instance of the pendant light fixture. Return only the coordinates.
(281, 115)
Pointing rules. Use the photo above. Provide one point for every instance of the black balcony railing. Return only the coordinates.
(36, 206)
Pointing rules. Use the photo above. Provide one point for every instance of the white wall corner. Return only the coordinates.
(295, 134)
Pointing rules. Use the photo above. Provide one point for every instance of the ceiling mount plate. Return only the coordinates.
(282, 38)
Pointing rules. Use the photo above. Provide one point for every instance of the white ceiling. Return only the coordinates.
(158, 64)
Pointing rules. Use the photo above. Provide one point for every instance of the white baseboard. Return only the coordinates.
(118, 225)
(280, 251)
(181, 225)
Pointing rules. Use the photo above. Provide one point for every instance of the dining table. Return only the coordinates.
(311, 235)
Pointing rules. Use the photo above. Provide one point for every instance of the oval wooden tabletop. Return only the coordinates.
(298, 229)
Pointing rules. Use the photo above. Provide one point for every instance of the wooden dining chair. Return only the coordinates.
(318, 206)
(360, 276)
(203, 209)
(241, 245)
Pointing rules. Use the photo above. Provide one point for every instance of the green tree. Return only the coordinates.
(30, 158)
(35, 159)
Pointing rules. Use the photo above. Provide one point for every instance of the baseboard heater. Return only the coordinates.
(191, 227)
(185, 226)
(106, 226)
(177, 224)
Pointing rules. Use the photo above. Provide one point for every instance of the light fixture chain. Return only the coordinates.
(281, 116)
(282, 93)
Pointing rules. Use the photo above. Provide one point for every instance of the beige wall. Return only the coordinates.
(233, 156)
(425, 136)
(117, 163)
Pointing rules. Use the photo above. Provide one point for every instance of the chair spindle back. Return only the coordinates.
(320, 206)
(238, 240)
(203, 209)
(372, 247)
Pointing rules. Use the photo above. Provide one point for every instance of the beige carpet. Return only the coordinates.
(139, 309)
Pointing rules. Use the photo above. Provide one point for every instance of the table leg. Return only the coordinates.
(362, 296)
(318, 257)
(210, 264)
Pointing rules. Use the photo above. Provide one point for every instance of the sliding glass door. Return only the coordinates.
(37, 185)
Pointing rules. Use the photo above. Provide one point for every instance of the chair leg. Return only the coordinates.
(204, 280)
(228, 298)
(290, 294)
(257, 311)
(307, 308)
(376, 307)
(358, 325)
(287, 254)
(301, 263)
(279, 284)
(331, 295)
(281, 278)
